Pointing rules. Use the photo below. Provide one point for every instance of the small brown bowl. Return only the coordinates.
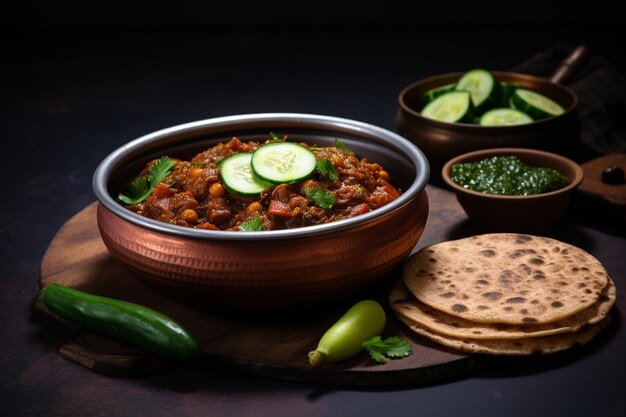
(441, 141)
(267, 270)
(524, 214)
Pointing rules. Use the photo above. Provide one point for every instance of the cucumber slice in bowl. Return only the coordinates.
(433, 93)
(283, 162)
(453, 107)
(536, 105)
(237, 176)
(508, 89)
(485, 90)
(504, 117)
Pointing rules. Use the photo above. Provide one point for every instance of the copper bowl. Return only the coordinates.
(266, 270)
(535, 213)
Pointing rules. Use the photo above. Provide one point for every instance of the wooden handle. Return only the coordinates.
(570, 65)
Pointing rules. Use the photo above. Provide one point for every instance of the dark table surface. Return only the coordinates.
(71, 96)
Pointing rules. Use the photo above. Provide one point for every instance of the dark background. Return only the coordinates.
(78, 80)
(285, 13)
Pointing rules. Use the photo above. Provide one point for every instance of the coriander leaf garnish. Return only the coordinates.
(142, 187)
(255, 224)
(392, 347)
(276, 137)
(326, 168)
(339, 144)
(320, 197)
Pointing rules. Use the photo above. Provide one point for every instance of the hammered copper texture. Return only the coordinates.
(267, 274)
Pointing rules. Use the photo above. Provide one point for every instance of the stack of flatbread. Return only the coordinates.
(504, 294)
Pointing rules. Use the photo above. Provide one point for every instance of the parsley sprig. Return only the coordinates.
(326, 168)
(142, 187)
(392, 347)
(339, 144)
(254, 224)
(321, 197)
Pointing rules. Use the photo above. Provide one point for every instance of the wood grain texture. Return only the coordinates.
(270, 345)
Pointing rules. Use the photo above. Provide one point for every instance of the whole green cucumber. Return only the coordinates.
(345, 338)
(123, 320)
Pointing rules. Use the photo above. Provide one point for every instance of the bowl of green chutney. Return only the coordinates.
(513, 189)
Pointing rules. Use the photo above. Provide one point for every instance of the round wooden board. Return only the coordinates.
(273, 346)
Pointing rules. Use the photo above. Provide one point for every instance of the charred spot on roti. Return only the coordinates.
(508, 277)
(536, 261)
(447, 295)
(556, 304)
(521, 239)
(518, 253)
(459, 308)
(488, 253)
(515, 300)
(493, 295)
(528, 319)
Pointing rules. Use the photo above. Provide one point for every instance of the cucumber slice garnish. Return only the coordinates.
(536, 105)
(507, 92)
(283, 162)
(237, 176)
(433, 93)
(504, 117)
(485, 90)
(452, 107)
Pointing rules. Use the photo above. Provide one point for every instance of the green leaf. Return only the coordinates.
(138, 190)
(142, 187)
(326, 168)
(339, 144)
(161, 169)
(255, 224)
(276, 137)
(392, 347)
(320, 197)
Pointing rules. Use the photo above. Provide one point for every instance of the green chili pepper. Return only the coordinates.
(126, 321)
(345, 338)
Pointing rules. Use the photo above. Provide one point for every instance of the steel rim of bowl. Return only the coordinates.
(470, 126)
(470, 156)
(381, 136)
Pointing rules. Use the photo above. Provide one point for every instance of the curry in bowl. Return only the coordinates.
(256, 185)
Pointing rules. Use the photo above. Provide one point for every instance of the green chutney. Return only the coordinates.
(506, 175)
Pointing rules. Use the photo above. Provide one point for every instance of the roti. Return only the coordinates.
(506, 278)
(513, 347)
(403, 303)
